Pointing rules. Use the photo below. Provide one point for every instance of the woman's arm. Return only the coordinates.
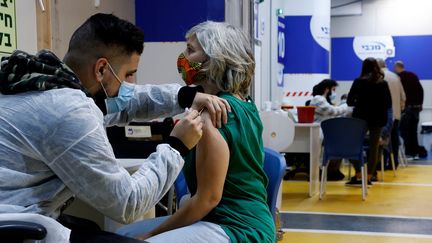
(212, 159)
(353, 93)
(326, 110)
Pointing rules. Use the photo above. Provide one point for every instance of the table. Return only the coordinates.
(307, 140)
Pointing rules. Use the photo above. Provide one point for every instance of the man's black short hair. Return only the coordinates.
(105, 35)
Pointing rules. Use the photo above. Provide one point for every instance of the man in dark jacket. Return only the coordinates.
(413, 105)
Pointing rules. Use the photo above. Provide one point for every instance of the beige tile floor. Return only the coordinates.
(408, 194)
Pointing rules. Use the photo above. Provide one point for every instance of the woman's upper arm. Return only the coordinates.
(212, 159)
(352, 95)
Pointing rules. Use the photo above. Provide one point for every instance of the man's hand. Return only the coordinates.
(189, 129)
(218, 108)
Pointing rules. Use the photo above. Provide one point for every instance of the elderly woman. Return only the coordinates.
(225, 171)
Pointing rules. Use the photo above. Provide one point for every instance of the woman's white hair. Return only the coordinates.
(231, 63)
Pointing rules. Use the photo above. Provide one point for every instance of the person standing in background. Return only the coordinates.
(413, 105)
(370, 97)
(398, 104)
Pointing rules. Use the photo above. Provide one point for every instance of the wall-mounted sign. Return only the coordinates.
(374, 46)
(7, 26)
(320, 30)
(281, 40)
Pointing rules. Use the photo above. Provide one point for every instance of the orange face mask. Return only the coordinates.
(190, 71)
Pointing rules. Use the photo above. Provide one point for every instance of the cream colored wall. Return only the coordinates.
(26, 26)
(68, 15)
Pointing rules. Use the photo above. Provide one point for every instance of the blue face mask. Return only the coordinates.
(119, 103)
(332, 96)
(125, 94)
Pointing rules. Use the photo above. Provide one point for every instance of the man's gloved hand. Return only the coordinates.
(217, 108)
(189, 129)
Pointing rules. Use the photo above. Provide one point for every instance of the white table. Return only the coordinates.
(307, 140)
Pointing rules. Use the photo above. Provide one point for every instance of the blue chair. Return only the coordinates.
(274, 167)
(181, 188)
(343, 139)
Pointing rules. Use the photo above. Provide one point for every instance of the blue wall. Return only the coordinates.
(302, 53)
(414, 51)
(168, 20)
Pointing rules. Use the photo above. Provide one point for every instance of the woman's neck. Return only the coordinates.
(213, 90)
(209, 88)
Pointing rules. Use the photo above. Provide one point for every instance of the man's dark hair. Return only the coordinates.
(104, 35)
(320, 88)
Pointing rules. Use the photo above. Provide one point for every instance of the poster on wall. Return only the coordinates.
(281, 51)
(7, 27)
(374, 46)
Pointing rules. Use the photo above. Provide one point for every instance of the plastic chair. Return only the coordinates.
(388, 149)
(274, 167)
(18, 231)
(181, 188)
(402, 157)
(278, 130)
(337, 145)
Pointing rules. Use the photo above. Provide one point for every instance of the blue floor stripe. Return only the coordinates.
(356, 223)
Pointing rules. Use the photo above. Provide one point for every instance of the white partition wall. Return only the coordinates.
(300, 45)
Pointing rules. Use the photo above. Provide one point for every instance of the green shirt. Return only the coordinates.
(243, 212)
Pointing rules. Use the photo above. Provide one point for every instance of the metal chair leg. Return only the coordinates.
(366, 176)
(364, 183)
(393, 163)
(349, 170)
(323, 180)
(382, 167)
(402, 156)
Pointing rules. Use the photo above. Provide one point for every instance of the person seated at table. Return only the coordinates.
(225, 172)
(324, 94)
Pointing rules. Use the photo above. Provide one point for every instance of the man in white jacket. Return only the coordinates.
(52, 127)
(398, 104)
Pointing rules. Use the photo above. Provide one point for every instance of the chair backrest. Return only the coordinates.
(274, 167)
(278, 130)
(180, 187)
(343, 138)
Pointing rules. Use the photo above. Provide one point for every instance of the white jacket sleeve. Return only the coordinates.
(80, 155)
(324, 110)
(149, 102)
